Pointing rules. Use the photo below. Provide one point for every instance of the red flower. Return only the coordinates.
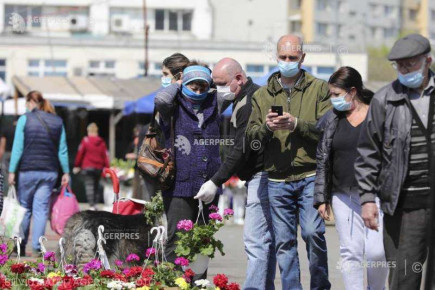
(50, 282)
(220, 280)
(120, 277)
(134, 271)
(107, 274)
(34, 285)
(86, 280)
(188, 275)
(232, 286)
(143, 281)
(18, 268)
(147, 273)
(5, 284)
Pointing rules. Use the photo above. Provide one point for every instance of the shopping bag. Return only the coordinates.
(65, 205)
(12, 215)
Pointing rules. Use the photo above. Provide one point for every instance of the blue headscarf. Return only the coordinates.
(192, 73)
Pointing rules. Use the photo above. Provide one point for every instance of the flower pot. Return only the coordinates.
(200, 265)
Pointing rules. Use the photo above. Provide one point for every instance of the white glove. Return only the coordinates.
(207, 192)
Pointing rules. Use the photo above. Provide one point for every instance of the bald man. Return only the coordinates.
(289, 137)
(247, 163)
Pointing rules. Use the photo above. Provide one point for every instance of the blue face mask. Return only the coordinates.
(192, 95)
(340, 103)
(166, 81)
(412, 80)
(288, 69)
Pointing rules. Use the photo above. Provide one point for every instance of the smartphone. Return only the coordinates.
(277, 109)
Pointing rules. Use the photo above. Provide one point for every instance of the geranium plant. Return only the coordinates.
(194, 239)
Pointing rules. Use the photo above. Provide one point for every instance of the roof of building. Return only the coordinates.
(91, 92)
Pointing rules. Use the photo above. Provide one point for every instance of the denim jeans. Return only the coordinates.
(258, 236)
(34, 192)
(290, 201)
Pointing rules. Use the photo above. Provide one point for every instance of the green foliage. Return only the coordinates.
(200, 240)
(123, 164)
(154, 210)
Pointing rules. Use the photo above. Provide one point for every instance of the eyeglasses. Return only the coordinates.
(407, 65)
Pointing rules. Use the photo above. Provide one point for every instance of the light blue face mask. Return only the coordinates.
(166, 81)
(412, 80)
(340, 103)
(288, 69)
(192, 95)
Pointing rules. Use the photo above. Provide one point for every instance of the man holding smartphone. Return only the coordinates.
(289, 142)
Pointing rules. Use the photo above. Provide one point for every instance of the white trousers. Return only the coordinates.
(357, 242)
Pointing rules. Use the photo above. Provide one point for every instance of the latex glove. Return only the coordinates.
(76, 170)
(207, 192)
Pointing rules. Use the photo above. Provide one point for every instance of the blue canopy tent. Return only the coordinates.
(144, 105)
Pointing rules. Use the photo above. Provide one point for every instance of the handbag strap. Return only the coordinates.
(48, 130)
(153, 126)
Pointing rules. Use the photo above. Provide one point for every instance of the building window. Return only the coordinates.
(388, 11)
(47, 67)
(154, 69)
(323, 72)
(160, 19)
(101, 68)
(255, 70)
(413, 14)
(296, 4)
(296, 26)
(3, 69)
(173, 20)
(322, 29)
(322, 5)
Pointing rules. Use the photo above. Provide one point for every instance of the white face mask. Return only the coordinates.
(225, 93)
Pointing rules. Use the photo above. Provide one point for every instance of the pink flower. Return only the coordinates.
(3, 259)
(150, 252)
(215, 216)
(228, 212)
(118, 263)
(4, 248)
(132, 257)
(213, 208)
(50, 256)
(181, 261)
(186, 225)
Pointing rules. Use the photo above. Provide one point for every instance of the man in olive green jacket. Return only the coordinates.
(290, 143)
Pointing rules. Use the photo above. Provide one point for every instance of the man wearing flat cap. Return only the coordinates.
(395, 160)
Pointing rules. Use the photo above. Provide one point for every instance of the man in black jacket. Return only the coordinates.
(246, 162)
(396, 160)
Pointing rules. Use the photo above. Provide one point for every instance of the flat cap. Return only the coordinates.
(409, 46)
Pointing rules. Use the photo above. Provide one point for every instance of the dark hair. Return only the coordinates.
(346, 78)
(42, 103)
(176, 63)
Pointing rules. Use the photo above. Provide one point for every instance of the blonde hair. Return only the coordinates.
(92, 128)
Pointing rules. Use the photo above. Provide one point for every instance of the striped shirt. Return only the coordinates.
(416, 189)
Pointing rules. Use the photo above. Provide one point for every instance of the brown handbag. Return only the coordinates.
(154, 161)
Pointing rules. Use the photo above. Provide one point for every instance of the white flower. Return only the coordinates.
(202, 283)
(130, 285)
(115, 285)
(39, 281)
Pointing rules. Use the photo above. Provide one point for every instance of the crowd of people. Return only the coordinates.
(306, 149)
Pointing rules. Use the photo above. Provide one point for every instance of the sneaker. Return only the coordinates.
(93, 208)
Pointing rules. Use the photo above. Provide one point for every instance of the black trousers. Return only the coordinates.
(182, 208)
(406, 235)
(92, 182)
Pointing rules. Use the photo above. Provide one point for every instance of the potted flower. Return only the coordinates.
(197, 244)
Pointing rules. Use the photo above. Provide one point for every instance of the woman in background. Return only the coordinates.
(39, 147)
(336, 184)
(91, 158)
